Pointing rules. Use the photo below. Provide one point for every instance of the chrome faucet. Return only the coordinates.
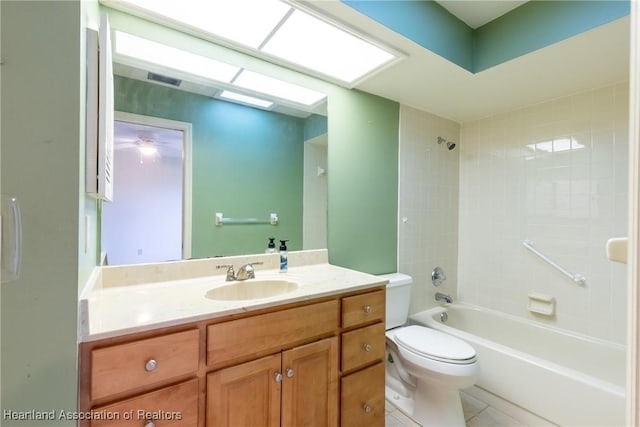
(443, 297)
(247, 272)
(231, 274)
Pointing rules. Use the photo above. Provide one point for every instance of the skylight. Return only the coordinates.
(245, 99)
(306, 40)
(140, 49)
(278, 88)
(247, 22)
(170, 57)
(272, 28)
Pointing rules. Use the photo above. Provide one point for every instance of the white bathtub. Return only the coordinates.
(566, 378)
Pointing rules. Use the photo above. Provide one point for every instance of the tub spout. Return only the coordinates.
(443, 297)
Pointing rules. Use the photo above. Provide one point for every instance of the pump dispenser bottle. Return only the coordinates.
(271, 246)
(284, 261)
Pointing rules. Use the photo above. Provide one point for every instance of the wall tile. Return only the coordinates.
(428, 199)
(555, 173)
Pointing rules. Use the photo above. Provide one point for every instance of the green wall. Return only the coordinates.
(363, 181)
(42, 131)
(314, 125)
(246, 163)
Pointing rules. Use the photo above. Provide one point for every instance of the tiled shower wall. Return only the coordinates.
(428, 203)
(554, 173)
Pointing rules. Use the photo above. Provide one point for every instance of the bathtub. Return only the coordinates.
(566, 378)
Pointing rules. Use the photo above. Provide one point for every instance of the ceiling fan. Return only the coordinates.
(149, 141)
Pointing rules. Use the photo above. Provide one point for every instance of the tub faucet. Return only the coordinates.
(443, 297)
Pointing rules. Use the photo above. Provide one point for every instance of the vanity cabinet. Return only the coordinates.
(298, 387)
(311, 363)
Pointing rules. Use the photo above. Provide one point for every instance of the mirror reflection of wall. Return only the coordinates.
(247, 162)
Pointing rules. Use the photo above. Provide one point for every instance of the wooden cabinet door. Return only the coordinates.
(245, 395)
(310, 385)
(362, 400)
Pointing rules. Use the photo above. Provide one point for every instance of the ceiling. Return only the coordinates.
(431, 83)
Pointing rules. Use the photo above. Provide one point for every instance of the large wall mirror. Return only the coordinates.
(184, 154)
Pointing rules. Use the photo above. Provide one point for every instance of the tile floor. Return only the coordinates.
(476, 414)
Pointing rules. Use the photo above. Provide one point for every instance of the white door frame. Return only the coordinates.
(633, 264)
(186, 129)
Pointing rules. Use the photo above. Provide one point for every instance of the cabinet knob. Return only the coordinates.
(278, 377)
(367, 408)
(367, 347)
(290, 373)
(367, 309)
(150, 424)
(150, 366)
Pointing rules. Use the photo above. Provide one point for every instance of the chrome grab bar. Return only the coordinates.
(221, 219)
(577, 278)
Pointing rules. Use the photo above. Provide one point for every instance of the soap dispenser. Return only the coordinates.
(284, 261)
(271, 246)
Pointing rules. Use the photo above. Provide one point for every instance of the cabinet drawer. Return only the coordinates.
(172, 406)
(269, 332)
(129, 366)
(363, 346)
(363, 308)
(362, 401)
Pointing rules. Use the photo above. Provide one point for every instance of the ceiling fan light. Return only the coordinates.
(148, 150)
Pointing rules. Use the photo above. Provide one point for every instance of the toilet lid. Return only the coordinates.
(435, 345)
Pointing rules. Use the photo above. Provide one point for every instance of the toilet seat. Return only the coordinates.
(435, 345)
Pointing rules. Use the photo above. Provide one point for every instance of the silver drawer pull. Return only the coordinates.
(367, 309)
(150, 424)
(290, 373)
(367, 347)
(278, 377)
(367, 408)
(150, 366)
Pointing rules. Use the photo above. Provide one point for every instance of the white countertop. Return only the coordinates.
(118, 310)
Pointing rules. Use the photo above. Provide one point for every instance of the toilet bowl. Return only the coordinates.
(425, 368)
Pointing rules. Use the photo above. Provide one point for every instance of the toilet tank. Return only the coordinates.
(398, 298)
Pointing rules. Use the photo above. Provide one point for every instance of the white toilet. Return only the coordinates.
(425, 368)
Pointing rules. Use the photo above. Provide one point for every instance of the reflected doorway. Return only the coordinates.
(149, 218)
(315, 194)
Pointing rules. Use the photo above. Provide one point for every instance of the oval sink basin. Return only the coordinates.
(251, 289)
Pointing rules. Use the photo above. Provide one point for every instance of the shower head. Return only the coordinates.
(450, 145)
